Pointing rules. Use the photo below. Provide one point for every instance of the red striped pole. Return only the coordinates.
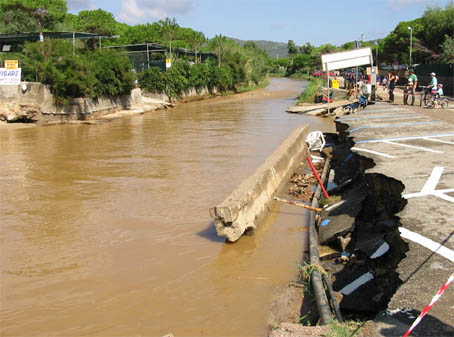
(316, 175)
(429, 307)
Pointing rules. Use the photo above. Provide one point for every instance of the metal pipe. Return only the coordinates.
(321, 299)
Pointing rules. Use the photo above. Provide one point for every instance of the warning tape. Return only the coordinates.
(429, 307)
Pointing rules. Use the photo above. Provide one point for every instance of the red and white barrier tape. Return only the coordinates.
(429, 307)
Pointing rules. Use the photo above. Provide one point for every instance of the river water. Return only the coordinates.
(105, 229)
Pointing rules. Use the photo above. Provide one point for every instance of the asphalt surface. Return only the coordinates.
(414, 146)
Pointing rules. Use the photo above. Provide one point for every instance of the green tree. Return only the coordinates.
(438, 22)
(169, 28)
(292, 48)
(18, 16)
(448, 50)
(96, 21)
(195, 41)
(218, 43)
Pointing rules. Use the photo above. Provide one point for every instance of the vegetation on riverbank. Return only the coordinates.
(86, 70)
(311, 91)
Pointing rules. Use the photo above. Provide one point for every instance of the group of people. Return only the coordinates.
(434, 88)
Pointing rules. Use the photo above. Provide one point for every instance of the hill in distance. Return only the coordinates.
(274, 49)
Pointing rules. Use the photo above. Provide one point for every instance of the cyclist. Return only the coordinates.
(431, 89)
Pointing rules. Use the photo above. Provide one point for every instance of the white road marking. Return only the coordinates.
(413, 146)
(430, 186)
(373, 152)
(439, 141)
(428, 243)
(380, 251)
(388, 117)
(404, 138)
(363, 279)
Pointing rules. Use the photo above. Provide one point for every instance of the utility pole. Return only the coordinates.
(411, 44)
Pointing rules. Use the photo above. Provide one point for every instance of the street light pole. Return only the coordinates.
(411, 44)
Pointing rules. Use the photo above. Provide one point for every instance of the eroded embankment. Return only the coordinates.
(362, 229)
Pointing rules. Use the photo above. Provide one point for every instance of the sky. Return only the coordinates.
(317, 22)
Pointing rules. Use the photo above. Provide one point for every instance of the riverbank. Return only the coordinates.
(34, 109)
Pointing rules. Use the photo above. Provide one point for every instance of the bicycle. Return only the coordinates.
(437, 101)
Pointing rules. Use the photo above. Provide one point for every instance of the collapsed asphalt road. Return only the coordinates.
(394, 167)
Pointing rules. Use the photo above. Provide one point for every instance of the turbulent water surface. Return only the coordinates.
(105, 229)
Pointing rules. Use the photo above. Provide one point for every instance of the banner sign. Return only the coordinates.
(347, 59)
(11, 64)
(10, 76)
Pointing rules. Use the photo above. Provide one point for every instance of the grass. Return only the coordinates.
(330, 201)
(306, 271)
(313, 89)
(301, 76)
(345, 329)
(263, 84)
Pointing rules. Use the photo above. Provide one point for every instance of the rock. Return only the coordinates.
(26, 113)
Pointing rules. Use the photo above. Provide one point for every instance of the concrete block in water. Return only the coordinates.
(247, 205)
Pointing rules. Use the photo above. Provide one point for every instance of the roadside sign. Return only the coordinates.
(11, 64)
(168, 63)
(347, 59)
(10, 76)
(335, 84)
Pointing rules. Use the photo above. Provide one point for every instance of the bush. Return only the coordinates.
(89, 74)
(312, 90)
(152, 80)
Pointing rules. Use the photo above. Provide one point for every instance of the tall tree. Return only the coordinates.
(447, 47)
(292, 48)
(219, 42)
(97, 21)
(195, 40)
(18, 16)
(169, 29)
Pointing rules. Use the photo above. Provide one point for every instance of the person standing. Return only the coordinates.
(433, 82)
(393, 78)
(411, 88)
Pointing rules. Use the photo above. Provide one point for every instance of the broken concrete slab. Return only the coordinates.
(247, 205)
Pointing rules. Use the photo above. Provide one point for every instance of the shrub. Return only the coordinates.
(91, 74)
(153, 80)
(312, 90)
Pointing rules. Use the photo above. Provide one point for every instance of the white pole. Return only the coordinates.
(327, 88)
(148, 58)
(411, 44)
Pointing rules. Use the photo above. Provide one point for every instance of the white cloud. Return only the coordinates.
(77, 5)
(139, 11)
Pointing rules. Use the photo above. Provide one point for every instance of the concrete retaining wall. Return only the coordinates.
(249, 203)
(16, 98)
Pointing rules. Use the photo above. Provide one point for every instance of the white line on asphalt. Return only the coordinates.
(363, 279)
(428, 243)
(439, 141)
(387, 117)
(382, 250)
(413, 147)
(430, 186)
(393, 125)
(432, 182)
(405, 138)
(373, 152)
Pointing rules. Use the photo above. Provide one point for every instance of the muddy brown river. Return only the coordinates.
(105, 229)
